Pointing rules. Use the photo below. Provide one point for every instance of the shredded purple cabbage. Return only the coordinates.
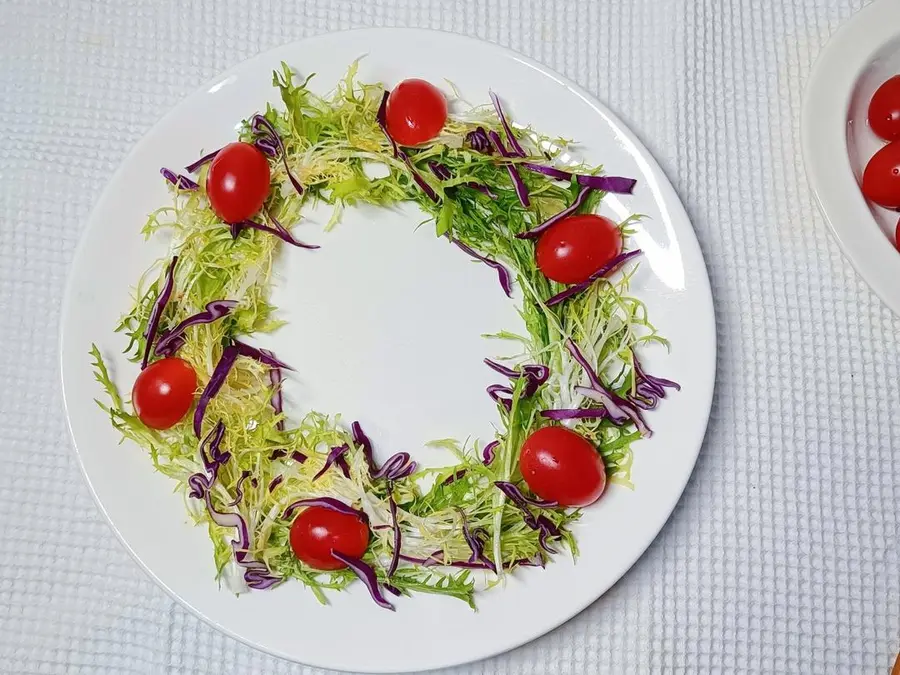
(479, 142)
(512, 491)
(395, 555)
(501, 394)
(546, 530)
(536, 374)
(365, 444)
(156, 313)
(483, 189)
(502, 272)
(453, 477)
(275, 482)
(574, 414)
(276, 229)
(620, 411)
(487, 454)
(476, 544)
(179, 181)
(604, 271)
(335, 456)
(271, 140)
(552, 220)
(172, 340)
(298, 457)
(513, 143)
(264, 356)
(518, 183)
(192, 168)
(277, 400)
(210, 453)
(239, 489)
(327, 503)
(396, 466)
(614, 184)
(216, 380)
(367, 575)
(440, 171)
(277, 454)
(649, 390)
(381, 118)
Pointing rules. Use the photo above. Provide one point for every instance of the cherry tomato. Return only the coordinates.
(238, 182)
(318, 531)
(881, 179)
(416, 112)
(576, 247)
(164, 392)
(884, 110)
(562, 466)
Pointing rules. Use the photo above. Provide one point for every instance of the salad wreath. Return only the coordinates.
(309, 501)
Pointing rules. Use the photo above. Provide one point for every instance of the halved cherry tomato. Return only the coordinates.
(561, 465)
(164, 392)
(238, 182)
(416, 112)
(318, 531)
(884, 110)
(576, 247)
(881, 179)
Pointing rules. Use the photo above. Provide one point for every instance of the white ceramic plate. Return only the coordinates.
(837, 141)
(374, 315)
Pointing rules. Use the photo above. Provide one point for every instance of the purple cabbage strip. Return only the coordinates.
(395, 555)
(440, 171)
(552, 220)
(381, 118)
(614, 184)
(179, 181)
(335, 455)
(216, 380)
(392, 589)
(501, 394)
(278, 231)
(436, 559)
(453, 477)
(518, 183)
(239, 489)
(574, 414)
(476, 545)
(421, 182)
(396, 466)
(619, 410)
(264, 356)
(516, 497)
(536, 374)
(546, 529)
(512, 491)
(479, 142)
(365, 444)
(262, 127)
(649, 389)
(156, 313)
(172, 340)
(502, 272)
(484, 189)
(513, 143)
(210, 453)
(266, 146)
(275, 482)
(277, 400)
(327, 503)
(607, 269)
(298, 456)
(487, 454)
(192, 168)
(367, 575)
(277, 454)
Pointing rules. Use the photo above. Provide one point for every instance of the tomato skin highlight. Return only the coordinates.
(576, 247)
(562, 466)
(237, 183)
(881, 179)
(416, 112)
(164, 392)
(884, 110)
(318, 531)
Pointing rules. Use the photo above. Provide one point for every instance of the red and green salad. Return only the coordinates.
(300, 494)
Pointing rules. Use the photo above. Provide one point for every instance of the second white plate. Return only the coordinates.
(375, 315)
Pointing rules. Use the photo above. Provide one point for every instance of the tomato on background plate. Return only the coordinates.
(237, 183)
(416, 112)
(881, 179)
(576, 247)
(318, 531)
(562, 466)
(884, 110)
(164, 392)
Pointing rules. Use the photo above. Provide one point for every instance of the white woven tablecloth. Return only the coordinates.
(782, 556)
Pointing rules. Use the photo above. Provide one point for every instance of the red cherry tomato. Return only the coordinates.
(164, 392)
(562, 466)
(238, 182)
(318, 531)
(576, 247)
(884, 110)
(416, 112)
(881, 179)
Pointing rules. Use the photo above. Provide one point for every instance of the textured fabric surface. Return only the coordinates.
(782, 556)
